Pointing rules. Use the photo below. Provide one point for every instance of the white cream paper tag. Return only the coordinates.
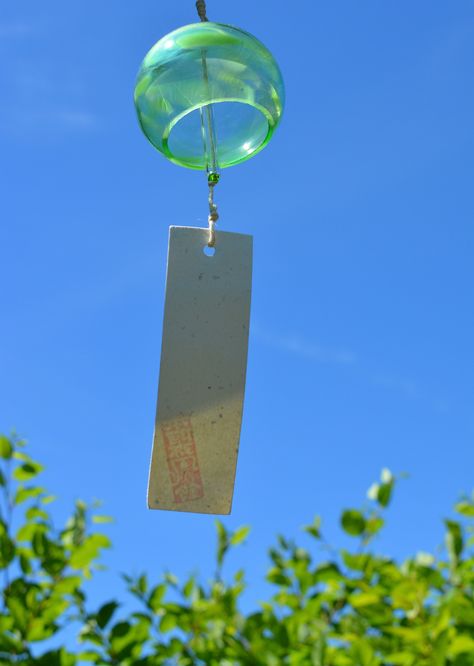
(202, 372)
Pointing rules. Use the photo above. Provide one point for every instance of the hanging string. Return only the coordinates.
(213, 214)
(201, 10)
(213, 176)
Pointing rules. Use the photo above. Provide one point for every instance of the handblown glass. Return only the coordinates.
(209, 96)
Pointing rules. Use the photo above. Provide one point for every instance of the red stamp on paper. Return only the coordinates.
(183, 464)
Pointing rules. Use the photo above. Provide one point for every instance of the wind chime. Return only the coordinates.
(208, 96)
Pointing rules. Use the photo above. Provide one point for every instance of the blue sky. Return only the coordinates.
(362, 316)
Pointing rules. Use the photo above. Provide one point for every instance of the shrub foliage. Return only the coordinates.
(330, 607)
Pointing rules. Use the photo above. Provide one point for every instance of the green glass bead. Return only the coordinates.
(209, 95)
(213, 178)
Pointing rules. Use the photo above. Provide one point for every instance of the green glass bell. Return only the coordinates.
(209, 96)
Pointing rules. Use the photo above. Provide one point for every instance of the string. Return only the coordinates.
(201, 10)
(213, 214)
(213, 177)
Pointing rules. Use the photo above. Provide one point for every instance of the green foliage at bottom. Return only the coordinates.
(330, 607)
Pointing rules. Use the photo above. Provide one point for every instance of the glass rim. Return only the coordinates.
(271, 124)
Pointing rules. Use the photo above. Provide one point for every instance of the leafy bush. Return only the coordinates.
(353, 608)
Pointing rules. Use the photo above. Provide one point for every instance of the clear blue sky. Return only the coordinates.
(361, 349)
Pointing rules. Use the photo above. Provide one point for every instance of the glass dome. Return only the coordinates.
(209, 95)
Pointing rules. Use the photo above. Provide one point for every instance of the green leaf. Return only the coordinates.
(353, 522)
(35, 512)
(39, 541)
(189, 588)
(327, 572)
(127, 641)
(454, 540)
(363, 654)
(102, 519)
(141, 585)
(384, 494)
(278, 577)
(88, 551)
(48, 499)
(222, 542)
(465, 508)
(67, 585)
(20, 455)
(10, 645)
(409, 594)
(7, 550)
(357, 562)
(401, 659)
(239, 535)
(156, 597)
(90, 657)
(28, 531)
(6, 448)
(168, 622)
(24, 494)
(25, 563)
(57, 658)
(105, 613)
(283, 543)
(374, 525)
(171, 579)
(239, 576)
(315, 528)
(461, 644)
(362, 599)
(27, 471)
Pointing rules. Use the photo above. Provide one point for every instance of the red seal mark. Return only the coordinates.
(183, 464)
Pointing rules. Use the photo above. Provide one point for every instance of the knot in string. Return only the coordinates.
(201, 10)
